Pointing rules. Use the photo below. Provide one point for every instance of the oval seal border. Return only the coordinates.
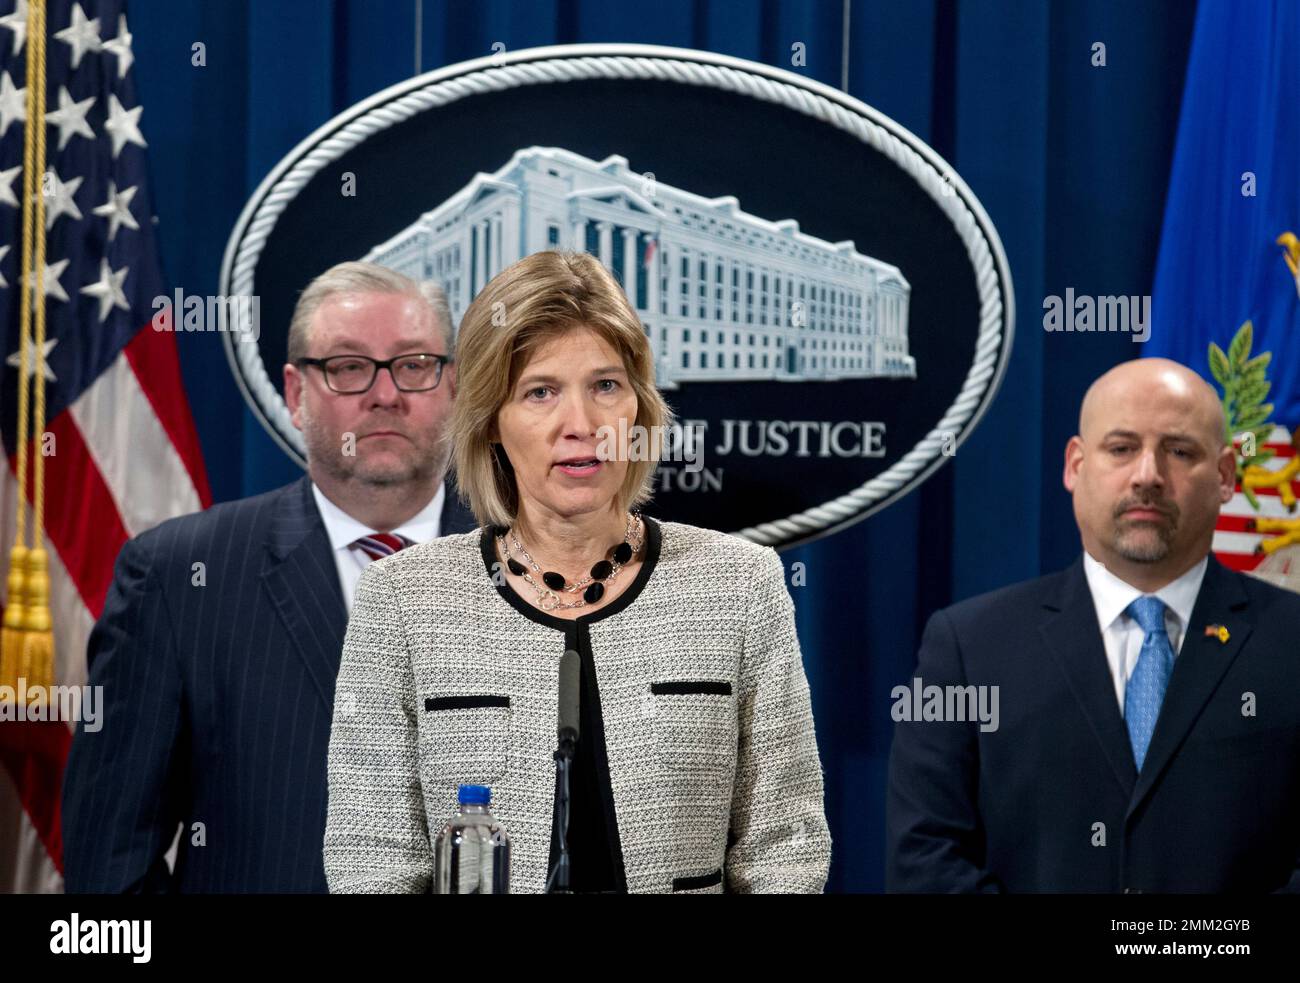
(561, 63)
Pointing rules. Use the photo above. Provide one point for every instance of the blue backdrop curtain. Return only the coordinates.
(1070, 159)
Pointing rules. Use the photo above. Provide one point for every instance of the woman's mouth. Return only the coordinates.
(580, 468)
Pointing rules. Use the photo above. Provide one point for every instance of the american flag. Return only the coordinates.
(126, 454)
(1235, 538)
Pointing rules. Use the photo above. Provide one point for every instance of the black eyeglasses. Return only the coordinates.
(350, 375)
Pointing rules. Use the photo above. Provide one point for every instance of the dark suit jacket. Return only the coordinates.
(1215, 809)
(218, 695)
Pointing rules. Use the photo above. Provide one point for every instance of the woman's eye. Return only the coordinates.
(533, 392)
(607, 385)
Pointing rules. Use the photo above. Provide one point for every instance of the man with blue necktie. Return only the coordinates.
(1148, 733)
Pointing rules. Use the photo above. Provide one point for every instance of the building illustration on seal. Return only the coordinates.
(724, 296)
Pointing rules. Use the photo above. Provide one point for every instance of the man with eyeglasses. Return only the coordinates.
(370, 386)
(221, 635)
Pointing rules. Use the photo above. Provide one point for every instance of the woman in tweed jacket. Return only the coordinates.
(697, 768)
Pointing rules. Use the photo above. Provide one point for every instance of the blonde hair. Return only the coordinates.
(532, 302)
(362, 278)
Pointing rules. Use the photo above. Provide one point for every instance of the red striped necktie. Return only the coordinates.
(378, 545)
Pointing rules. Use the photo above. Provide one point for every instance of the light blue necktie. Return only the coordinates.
(1146, 687)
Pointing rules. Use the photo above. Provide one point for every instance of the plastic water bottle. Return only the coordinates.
(472, 852)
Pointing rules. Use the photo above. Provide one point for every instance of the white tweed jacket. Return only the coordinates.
(448, 677)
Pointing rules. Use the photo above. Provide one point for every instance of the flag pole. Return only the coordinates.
(15, 619)
(38, 639)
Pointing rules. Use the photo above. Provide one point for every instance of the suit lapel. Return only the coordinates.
(1198, 669)
(1072, 635)
(302, 580)
(455, 517)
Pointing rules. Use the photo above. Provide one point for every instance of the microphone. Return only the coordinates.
(566, 741)
(568, 728)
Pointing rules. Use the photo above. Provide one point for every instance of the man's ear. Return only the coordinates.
(449, 371)
(293, 382)
(1227, 474)
(1073, 461)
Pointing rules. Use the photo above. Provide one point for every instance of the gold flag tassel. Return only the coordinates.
(38, 639)
(15, 623)
(13, 634)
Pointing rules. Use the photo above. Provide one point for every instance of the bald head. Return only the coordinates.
(1150, 380)
(1148, 470)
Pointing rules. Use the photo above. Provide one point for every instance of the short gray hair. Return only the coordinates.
(363, 278)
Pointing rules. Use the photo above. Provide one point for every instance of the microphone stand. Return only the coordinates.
(558, 882)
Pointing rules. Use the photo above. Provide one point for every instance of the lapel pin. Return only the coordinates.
(1217, 631)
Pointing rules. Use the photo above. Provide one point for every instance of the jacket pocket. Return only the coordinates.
(465, 702)
(694, 724)
(464, 739)
(704, 884)
(700, 687)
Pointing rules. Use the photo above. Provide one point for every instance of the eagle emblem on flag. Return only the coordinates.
(1258, 531)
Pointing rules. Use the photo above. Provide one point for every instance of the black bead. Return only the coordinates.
(553, 580)
(594, 593)
(516, 567)
(622, 552)
(602, 570)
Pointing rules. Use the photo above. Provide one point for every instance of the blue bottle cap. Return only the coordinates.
(475, 795)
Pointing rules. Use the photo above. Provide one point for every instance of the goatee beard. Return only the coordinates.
(1148, 552)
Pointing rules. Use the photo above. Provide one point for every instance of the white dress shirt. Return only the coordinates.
(1122, 635)
(343, 531)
